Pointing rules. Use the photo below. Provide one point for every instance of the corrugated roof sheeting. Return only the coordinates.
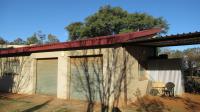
(171, 40)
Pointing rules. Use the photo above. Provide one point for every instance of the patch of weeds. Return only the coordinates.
(130, 109)
(15, 111)
(63, 110)
(175, 110)
(146, 104)
(14, 100)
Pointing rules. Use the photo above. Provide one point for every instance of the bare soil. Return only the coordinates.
(185, 103)
(39, 103)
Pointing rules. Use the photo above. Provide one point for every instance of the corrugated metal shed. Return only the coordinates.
(167, 70)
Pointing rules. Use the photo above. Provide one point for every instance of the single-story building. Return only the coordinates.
(116, 66)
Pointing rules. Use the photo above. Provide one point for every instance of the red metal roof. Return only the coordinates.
(91, 42)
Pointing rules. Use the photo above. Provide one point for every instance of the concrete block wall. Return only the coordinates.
(19, 82)
(130, 56)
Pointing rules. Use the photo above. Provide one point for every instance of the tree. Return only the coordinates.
(113, 20)
(41, 36)
(2, 41)
(75, 30)
(190, 56)
(18, 41)
(33, 39)
(52, 39)
(193, 54)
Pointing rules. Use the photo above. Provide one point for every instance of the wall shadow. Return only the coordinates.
(141, 54)
(14, 74)
(105, 88)
(6, 82)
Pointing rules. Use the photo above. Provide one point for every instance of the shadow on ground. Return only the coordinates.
(191, 105)
(29, 103)
(188, 103)
(37, 107)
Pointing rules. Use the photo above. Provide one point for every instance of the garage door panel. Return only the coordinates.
(83, 68)
(47, 76)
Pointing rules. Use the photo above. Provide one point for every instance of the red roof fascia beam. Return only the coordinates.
(91, 42)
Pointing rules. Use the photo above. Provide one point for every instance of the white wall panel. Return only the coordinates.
(167, 70)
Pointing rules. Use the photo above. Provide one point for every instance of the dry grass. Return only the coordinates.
(39, 103)
(186, 103)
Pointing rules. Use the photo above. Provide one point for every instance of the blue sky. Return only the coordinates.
(21, 18)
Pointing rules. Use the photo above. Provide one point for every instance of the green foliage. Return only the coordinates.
(18, 41)
(39, 38)
(2, 41)
(33, 40)
(52, 39)
(36, 38)
(113, 20)
(75, 30)
(192, 84)
(193, 54)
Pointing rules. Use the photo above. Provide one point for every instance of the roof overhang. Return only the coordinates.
(96, 42)
(140, 38)
(171, 40)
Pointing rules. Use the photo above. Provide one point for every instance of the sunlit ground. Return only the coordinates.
(185, 103)
(39, 103)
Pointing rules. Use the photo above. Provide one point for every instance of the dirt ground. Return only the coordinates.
(39, 103)
(185, 103)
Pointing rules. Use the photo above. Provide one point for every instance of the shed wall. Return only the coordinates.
(16, 77)
(117, 62)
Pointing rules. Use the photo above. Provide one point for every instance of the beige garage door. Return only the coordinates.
(46, 82)
(84, 73)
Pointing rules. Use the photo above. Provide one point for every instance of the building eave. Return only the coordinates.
(83, 44)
